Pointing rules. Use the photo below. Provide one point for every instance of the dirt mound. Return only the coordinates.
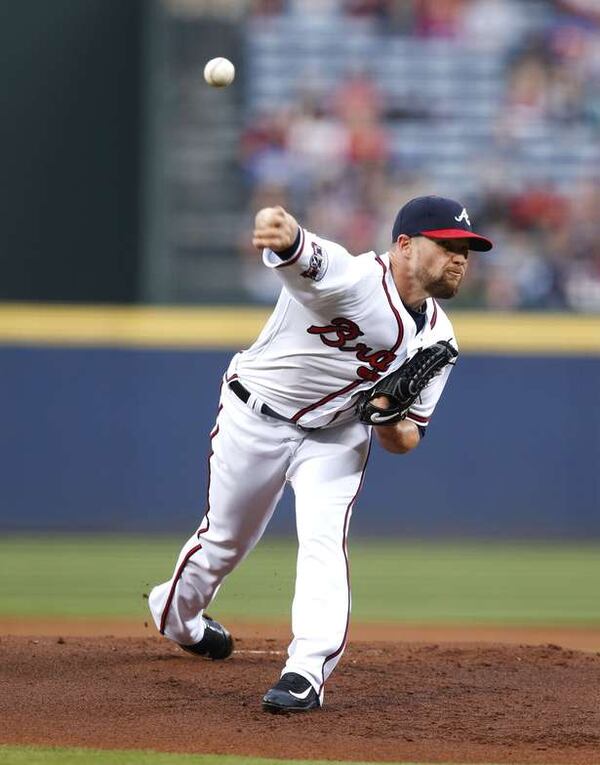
(386, 701)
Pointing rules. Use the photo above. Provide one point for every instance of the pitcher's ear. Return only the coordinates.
(403, 244)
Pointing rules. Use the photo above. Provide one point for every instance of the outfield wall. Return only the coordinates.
(110, 433)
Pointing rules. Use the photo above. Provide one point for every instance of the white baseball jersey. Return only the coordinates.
(339, 325)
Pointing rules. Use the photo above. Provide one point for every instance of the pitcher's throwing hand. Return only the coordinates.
(275, 229)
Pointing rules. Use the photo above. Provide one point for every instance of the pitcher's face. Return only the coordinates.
(440, 264)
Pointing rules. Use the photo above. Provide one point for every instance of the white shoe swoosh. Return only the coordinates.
(302, 695)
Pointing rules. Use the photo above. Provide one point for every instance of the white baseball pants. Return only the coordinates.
(252, 458)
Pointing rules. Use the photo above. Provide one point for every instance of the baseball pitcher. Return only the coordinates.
(354, 345)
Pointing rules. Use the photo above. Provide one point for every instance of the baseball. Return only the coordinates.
(219, 72)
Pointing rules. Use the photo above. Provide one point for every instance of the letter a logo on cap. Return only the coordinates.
(463, 216)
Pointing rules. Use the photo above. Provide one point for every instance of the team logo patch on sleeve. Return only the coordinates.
(317, 265)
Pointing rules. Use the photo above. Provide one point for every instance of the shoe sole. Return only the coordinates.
(277, 709)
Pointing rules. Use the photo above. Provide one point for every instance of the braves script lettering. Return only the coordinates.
(343, 331)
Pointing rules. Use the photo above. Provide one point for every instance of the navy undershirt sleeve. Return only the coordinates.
(290, 251)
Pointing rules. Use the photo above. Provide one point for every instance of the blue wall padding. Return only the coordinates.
(117, 440)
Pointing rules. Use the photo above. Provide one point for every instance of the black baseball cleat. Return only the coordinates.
(293, 693)
(216, 642)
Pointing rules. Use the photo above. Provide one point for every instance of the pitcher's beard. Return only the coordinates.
(443, 287)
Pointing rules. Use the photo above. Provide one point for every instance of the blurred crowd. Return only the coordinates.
(330, 157)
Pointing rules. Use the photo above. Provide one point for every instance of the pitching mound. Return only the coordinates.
(386, 701)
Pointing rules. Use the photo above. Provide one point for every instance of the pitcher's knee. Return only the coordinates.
(218, 558)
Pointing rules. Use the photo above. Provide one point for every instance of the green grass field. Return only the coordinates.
(407, 582)
(10, 755)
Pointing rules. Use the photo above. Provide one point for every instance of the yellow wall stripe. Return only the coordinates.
(224, 327)
(528, 333)
(130, 326)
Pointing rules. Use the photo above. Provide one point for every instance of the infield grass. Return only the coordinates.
(411, 582)
(29, 755)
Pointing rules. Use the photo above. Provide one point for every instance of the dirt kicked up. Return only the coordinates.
(425, 702)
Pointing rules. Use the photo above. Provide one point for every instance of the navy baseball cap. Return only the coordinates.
(438, 218)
